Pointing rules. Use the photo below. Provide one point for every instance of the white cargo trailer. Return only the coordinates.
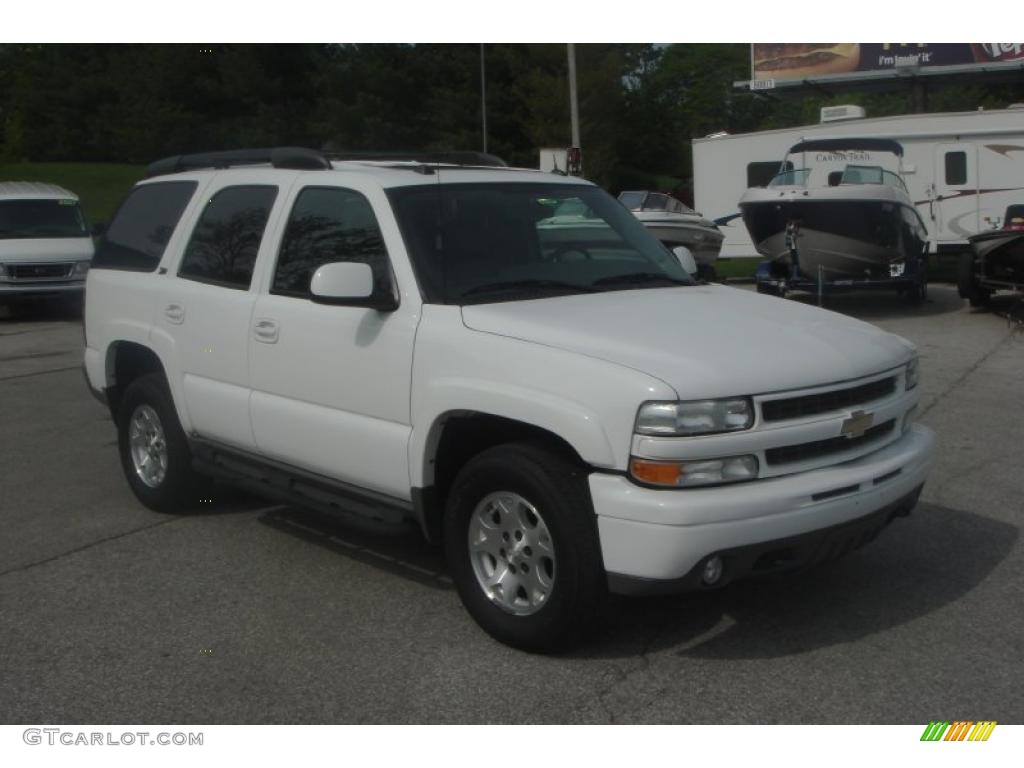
(962, 169)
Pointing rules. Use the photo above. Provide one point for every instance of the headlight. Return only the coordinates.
(695, 417)
(683, 474)
(911, 376)
(81, 268)
(3, 270)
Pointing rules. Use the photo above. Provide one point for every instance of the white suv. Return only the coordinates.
(555, 400)
(45, 245)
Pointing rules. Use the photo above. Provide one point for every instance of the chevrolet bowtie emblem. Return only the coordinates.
(858, 423)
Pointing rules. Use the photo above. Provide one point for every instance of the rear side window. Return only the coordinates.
(329, 224)
(223, 247)
(143, 225)
(956, 168)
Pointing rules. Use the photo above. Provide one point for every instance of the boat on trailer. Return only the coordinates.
(676, 224)
(996, 260)
(835, 218)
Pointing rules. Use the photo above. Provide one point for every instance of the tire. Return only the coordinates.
(967, 282)
(565, 574)
(177, 489)
(918, 292)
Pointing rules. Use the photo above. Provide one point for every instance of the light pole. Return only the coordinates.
(574, 157)
(483, 96)
(574, 107)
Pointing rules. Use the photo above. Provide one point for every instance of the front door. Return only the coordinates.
(331, 383)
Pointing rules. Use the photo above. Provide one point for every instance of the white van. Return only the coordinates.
(45, 244)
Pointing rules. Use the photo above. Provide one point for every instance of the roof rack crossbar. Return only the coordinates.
(295, 158)
(461, 157)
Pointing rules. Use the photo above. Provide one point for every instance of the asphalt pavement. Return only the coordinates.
(252, 612)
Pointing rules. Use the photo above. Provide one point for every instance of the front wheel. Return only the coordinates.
(522, 546)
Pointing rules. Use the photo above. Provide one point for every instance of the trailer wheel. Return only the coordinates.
(967, 282)
(918, 292)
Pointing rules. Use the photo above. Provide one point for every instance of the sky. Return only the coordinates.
(505, 21)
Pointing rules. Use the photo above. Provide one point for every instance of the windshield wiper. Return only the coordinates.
(514, 285)
(636, 278)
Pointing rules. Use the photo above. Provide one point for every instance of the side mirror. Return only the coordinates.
(686, 260)
(350, 284)
(99, 229)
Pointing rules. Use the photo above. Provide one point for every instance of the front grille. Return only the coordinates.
(789, 454)
(824, 402)
(39, 271)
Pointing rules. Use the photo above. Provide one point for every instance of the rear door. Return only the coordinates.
(207, 304)
(953, 209)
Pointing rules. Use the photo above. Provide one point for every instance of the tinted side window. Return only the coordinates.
(759, 174)
(142, 226)
(956, 168)
(329, 224)
(225, 242)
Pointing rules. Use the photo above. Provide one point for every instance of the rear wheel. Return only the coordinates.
(522, 546)
(154, 451)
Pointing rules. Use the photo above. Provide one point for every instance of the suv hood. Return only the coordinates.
(704, 341)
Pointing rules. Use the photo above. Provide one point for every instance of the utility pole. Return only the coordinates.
(574, 107)
(575, 153)
(483, 96)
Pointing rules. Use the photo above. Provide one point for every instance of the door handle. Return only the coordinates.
(266, 330)
(175, 313)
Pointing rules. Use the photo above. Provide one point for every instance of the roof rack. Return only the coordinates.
(462, 157)
(295, 158)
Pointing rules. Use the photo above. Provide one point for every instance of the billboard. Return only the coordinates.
(780, 62)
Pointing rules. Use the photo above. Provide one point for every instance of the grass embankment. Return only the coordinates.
(100, 186)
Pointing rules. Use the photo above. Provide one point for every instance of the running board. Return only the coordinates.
(363, 508)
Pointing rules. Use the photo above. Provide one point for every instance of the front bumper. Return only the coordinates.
(650, 537)
(28, 290)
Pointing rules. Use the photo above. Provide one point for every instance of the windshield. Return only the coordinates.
(475, 243)
(41, 218)
(790, 178)
(632, 200)
(870, 174)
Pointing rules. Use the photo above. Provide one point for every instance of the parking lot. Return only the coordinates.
(254, 612)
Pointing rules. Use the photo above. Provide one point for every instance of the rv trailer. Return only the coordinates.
(962, 169)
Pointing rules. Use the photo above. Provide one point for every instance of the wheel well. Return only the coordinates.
(465, 435)
(126, 361)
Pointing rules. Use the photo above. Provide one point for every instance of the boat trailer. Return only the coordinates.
(781, 276)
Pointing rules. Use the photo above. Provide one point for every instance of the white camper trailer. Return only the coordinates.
(962, 169)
